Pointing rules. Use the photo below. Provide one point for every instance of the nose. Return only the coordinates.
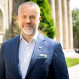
(28, 20)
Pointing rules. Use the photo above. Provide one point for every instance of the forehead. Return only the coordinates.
(28, 9)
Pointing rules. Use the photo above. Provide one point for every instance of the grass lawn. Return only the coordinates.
(72, 61)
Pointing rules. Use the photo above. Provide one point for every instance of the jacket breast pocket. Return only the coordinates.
(41, 63)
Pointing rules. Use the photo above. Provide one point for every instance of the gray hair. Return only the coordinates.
(30, 4)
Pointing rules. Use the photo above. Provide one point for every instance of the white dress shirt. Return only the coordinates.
(25, 53)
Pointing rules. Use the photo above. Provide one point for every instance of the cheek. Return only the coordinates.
(35, 22)
(20, 24)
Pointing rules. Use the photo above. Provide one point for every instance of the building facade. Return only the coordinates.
(63, 18)
(5, 19)
(60, 12)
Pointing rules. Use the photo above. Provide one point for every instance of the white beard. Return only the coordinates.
(28, 31)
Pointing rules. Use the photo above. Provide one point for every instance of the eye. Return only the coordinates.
(32, 17)
(24, 17)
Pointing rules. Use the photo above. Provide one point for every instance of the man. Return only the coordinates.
(31, 55)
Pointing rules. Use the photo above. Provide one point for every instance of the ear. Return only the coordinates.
(17, 18)
(39, 18)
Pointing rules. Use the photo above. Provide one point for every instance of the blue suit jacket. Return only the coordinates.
(51, 67)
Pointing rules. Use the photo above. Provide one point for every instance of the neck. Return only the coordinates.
(28, 37)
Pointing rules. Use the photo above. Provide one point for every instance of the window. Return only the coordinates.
(1, 21)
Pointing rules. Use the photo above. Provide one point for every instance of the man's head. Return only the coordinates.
(28, 17)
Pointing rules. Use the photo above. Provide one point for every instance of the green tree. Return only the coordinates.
(47, 25)
(75, 20)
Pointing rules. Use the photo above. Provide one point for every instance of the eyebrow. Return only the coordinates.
(30, 15)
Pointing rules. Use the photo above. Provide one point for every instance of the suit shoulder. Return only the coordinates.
(11, 40)
(51, 41)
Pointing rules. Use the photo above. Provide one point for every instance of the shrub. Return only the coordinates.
(15, 27)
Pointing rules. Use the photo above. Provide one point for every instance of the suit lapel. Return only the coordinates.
(36, 52)
(16, 52)
(16, 43)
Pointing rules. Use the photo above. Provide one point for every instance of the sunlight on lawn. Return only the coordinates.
(72, 61)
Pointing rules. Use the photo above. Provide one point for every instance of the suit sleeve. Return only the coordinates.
(59, 63)
(2, 67)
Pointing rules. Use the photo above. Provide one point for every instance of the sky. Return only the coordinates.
(74, 4)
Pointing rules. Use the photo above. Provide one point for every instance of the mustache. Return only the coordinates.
(27, 24)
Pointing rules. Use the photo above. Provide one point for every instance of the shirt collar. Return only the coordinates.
(34, 37)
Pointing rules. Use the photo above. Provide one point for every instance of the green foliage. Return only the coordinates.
(72, 61)
(15, 27)
(75, 20)
(47, 25)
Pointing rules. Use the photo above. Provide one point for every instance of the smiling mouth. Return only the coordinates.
(28, 25)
